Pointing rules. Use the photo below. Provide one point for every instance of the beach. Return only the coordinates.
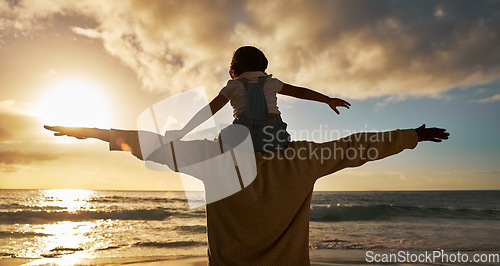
(320, 258)
(342, 257)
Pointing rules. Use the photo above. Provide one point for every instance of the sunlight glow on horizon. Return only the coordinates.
(74, 103)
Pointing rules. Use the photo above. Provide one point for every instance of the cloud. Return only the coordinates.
(91, 33)
(4, 134)
(11, 106)
(16, 124)
(491, 99)
(24, 157)
(353, 49)
(472, 172)
(15, 160)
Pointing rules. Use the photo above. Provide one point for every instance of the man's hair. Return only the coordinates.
(247, 58)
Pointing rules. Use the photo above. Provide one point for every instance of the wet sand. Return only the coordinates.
(319, 257)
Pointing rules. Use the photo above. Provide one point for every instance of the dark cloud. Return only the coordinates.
(352, 48)
(383, 47)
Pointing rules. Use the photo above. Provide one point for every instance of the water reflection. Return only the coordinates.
(70, 200)
(68, 241)
(68, 227)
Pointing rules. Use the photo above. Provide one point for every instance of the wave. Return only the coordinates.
(124, 199)
(5, 234)
(108, 248)
(176, 244)
(334, 244)
(317, 213)
(60, 251)
(64, 249)
(16, 206)
(192, 228)
(386, 212)
(53, 216)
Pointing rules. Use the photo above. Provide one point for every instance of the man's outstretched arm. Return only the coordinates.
(80, 132)
(146, 145)
(360, 148)
(124, 140)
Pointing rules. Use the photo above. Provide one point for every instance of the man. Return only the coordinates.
(267, 221)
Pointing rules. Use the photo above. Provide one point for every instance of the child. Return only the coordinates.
(253, 97)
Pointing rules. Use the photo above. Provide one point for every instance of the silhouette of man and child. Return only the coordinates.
(267, 221)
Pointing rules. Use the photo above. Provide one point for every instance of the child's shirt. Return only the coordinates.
(235, 91)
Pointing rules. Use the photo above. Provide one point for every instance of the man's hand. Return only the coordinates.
(431, 134)
(337, 102)
(80, 132)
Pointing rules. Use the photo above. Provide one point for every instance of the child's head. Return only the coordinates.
(247, 58)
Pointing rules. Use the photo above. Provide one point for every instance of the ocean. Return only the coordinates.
(113, 224)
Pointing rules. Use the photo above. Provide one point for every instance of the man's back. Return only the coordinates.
(267, 223)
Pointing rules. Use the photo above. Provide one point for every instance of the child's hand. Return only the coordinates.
(336, 102)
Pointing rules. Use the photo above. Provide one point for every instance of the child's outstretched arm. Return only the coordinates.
(308, 94)
(201, 116)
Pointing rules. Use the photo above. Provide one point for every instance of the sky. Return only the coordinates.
(102, 63)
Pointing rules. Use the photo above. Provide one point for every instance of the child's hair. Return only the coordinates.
(247, 58)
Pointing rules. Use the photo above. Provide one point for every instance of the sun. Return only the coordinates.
(74, 103)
